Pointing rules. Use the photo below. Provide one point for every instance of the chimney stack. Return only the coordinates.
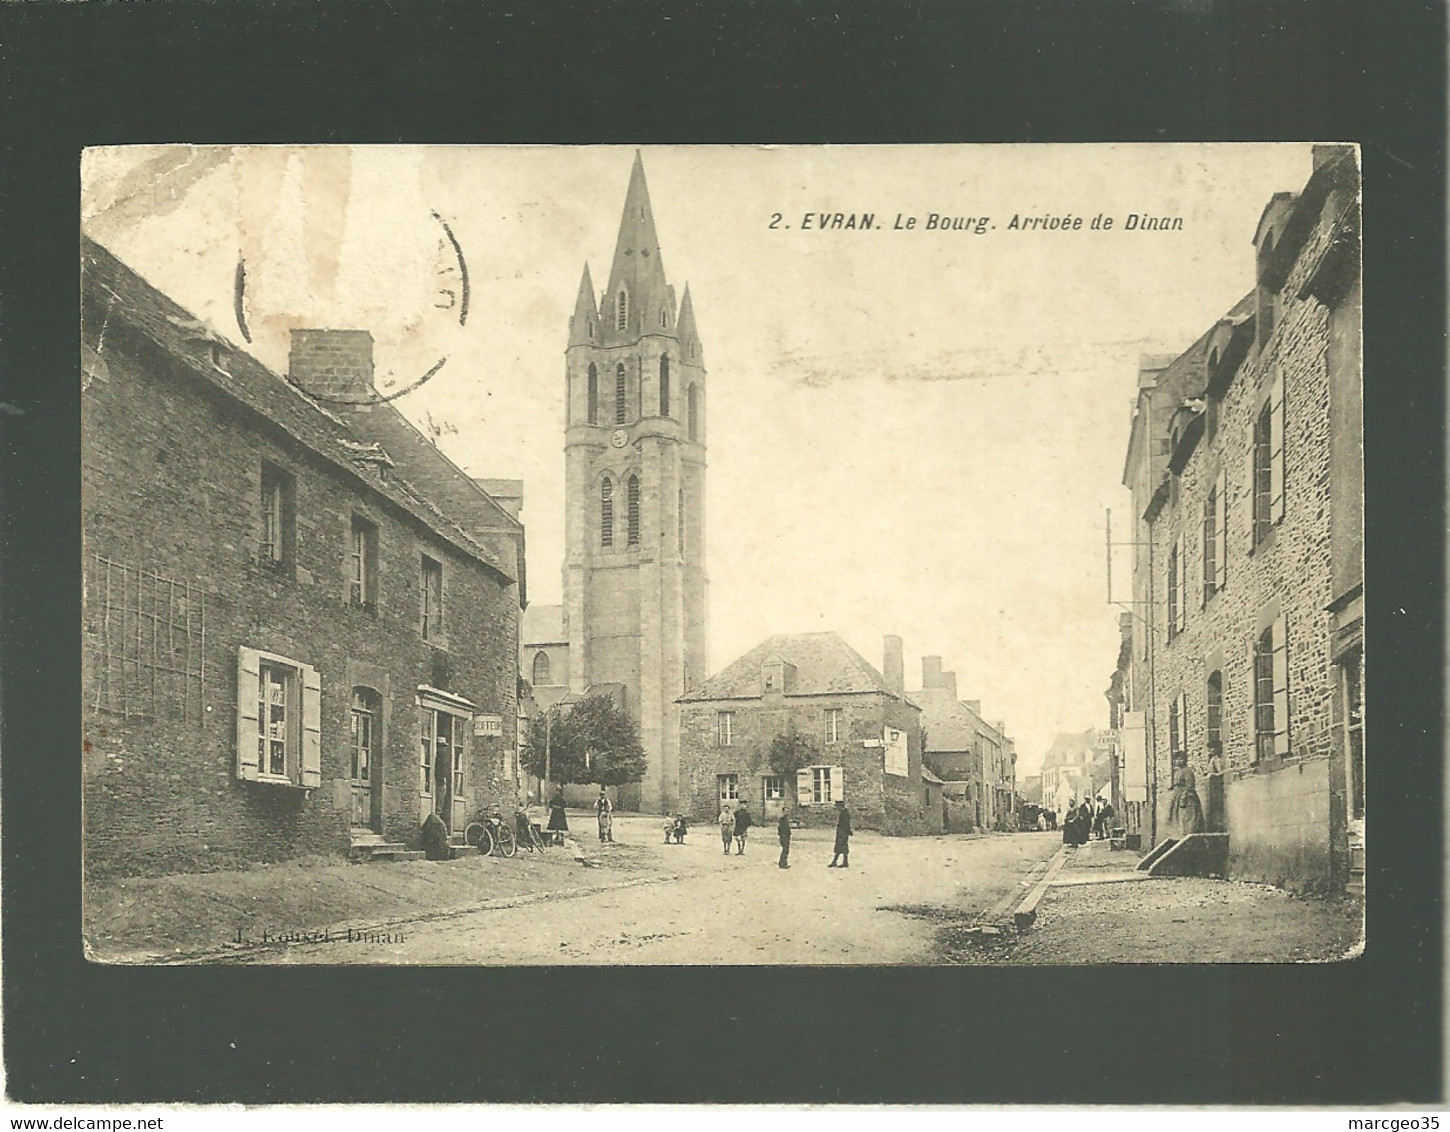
(949, 682)
(333, 365)
(931, 672)
(894, 667)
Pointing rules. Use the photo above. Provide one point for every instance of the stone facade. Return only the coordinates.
(976, 756)
(1250, 517)
(848, 726)
(184, 599)
(635, 605)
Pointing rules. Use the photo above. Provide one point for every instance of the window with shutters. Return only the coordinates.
(278, 546)
(1271, 692)
(363, 564)
(724, 728)
(632, 490)
(620, 411)
(1213, 710)
(593, 394)
(606, 512)
(430, 603)
(833, 725)
(665, 385)
(1175, 589)
(1268, 463)
(824, 785)
(1178, 725)
(279, 720)
(543, 674)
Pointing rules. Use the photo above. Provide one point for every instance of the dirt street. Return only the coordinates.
(697, 905)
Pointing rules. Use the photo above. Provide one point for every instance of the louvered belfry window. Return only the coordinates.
(606, 512)
(619, 407)
(633, 489)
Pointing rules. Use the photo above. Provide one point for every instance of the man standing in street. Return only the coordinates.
(604, 811)
(843, 837)
(742, 827)
(782, 828)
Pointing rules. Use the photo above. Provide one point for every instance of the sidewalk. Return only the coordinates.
(196, 915)
(1099, 909)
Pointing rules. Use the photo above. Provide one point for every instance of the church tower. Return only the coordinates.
(634, 568)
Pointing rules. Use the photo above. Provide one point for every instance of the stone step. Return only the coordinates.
(380, 850)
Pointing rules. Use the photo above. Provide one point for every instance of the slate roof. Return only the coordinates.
(544, 625)
(824, 665)
(125, 296)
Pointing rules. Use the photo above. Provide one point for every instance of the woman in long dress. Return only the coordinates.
(1185, 811)
(557, 819)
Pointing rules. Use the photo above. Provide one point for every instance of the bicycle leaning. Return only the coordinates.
(490, 834)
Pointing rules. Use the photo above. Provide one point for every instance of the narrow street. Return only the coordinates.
(692, 904)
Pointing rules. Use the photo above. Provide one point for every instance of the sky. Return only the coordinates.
(913, 431)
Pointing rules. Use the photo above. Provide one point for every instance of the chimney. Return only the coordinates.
(894, 666)
(333, 365)
(931, 672)
(949, 682)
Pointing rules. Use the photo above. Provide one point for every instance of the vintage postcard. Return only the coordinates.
(879, 555)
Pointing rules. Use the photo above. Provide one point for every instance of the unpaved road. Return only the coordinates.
(695, 905)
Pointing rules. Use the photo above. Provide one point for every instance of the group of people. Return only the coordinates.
(735, 826)
(603, 814)
(734, 822)
(1090, 819)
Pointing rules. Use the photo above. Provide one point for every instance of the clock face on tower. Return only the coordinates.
(620, 438)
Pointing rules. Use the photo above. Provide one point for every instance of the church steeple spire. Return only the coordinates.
(637, 291)
(584, 323)
(687, 334)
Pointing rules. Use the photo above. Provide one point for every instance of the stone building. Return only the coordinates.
(1077, 765)
(635, 607)
(973, 756)
(290, 647)
(865, 731)
(1246, 471)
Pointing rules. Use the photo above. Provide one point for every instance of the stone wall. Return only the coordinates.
(171, 485)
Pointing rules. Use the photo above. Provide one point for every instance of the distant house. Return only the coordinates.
(290, 647)
(1078, 765)
(866, 731)
(975, 756)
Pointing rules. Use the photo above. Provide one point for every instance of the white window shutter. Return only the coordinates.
(803, 786)
(1281, 688)
(1221, 562)
(248, 726)
(1249, 493)
(311, 727)
(1276, 448)
(838, 784)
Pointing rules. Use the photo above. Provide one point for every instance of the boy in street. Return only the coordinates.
(742, 827)
(727, 826)
(782, 828)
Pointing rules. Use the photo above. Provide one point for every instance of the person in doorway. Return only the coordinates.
(558, 822)
(1185, 811)
(743, 821)
(842, 850)
(782, 830)
(727, 825)
(1214, 816)
(604, 812)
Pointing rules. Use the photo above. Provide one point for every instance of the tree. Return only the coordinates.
(594, 741)
(791, 750)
